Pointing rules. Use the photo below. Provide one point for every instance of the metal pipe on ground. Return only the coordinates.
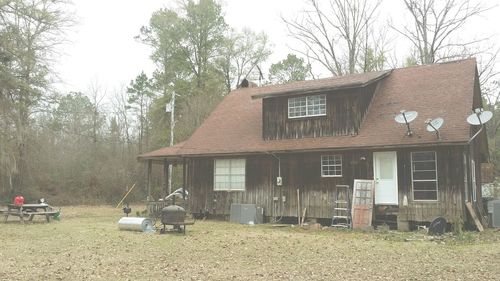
(136, 224)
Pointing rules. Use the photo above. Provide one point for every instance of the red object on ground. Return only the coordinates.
(18, 200)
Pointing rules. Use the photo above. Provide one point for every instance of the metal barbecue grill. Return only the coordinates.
(175, 215)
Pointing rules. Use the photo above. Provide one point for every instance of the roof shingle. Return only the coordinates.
(439, 90)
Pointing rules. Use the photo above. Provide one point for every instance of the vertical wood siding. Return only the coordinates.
(345, 110)
(450, 203)
(303, 171)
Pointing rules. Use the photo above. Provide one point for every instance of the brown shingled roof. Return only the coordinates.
(311, 86)
(162, 152)
(438, 90)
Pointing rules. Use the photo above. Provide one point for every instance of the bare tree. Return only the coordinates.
(335, 34)
(435, 25)
(29, 33)
(489, 75)
(120, 105)
(96, 95)
(242, 54)
(434, 34)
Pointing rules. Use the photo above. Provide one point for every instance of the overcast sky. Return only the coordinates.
(102, 48)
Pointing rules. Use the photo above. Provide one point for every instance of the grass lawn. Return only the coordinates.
(87, 245)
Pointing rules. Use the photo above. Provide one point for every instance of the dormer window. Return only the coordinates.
(307, 106)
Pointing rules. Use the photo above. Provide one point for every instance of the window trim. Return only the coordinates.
(412, 181)
(230, 175)
(341, 166)
(307, 115)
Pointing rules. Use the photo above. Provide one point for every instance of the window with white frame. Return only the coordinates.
(307, 106)
(331, 165)
(229, 174)
(424, 176)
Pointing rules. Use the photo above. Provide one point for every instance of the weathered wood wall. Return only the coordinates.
(303, 171)
(450, 202)
(345, 110)
(297, 170)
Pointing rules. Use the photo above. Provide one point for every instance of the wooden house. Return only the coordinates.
(315, 135)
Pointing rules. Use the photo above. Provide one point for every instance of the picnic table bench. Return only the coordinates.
(29, 211)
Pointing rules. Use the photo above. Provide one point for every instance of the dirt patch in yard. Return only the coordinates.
(87, 245)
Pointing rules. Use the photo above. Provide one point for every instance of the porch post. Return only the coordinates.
(184, 179)
(165, 177)
(170, 172)
(184, 173)
(150, 168)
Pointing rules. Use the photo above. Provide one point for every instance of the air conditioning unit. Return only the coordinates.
(246, 214)
(495, 213)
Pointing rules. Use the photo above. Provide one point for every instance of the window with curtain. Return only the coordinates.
(229, 174)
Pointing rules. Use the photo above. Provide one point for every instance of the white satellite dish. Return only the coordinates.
(406, 117)
(479, 117)
(433, 125)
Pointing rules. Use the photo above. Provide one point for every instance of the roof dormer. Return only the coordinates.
(325, 107)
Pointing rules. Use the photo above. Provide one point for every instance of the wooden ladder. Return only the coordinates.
(342, 207)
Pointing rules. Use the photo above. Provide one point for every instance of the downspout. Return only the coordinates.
(471, 152)
(280, 198)
(476, 134)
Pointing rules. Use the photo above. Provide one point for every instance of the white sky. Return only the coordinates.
(103, 50)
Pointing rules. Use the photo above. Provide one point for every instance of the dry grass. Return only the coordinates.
(86, 245)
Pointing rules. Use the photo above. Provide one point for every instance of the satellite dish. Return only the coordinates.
(406, 117)
(479, 117)
(433, 125)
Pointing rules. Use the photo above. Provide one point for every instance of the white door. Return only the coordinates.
(385, 170)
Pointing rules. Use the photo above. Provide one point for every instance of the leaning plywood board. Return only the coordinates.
(474, 216)
(362, 204)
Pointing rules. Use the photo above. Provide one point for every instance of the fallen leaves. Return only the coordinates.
(86, 245)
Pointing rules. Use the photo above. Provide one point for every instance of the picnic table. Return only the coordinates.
(30, 211)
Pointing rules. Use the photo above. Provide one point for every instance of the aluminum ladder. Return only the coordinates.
(342, 207)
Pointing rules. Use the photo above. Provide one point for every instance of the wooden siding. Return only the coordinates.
(317, 193)
(301, 171)
(450, 203)
(345, 110)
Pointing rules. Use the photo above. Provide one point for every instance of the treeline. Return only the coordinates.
(81, 147)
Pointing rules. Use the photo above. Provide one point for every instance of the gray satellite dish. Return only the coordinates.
(433, 125)
(479, 117)
(406, 117)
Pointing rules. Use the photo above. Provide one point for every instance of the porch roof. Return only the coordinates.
(165, 153)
